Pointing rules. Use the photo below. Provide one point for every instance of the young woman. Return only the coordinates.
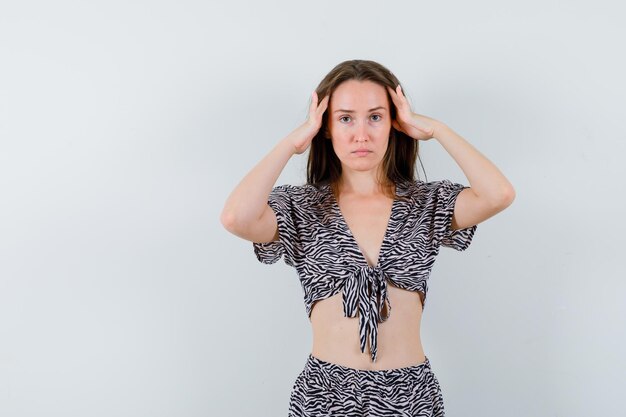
(363, 235)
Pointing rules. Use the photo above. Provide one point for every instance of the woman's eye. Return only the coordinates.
(347, 119)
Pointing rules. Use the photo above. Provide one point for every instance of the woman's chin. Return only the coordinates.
(360, 166)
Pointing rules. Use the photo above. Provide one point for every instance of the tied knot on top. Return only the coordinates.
(365, 291)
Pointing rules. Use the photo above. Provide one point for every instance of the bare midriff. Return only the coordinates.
(336, 338)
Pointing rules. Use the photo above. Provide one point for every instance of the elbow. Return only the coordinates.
(229, 221)
(236, 224)
(502, 198)
(506, 197)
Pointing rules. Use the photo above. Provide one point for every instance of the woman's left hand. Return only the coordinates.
(417, 126)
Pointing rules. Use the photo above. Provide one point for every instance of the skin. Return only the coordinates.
(360, 117)
(365, 209)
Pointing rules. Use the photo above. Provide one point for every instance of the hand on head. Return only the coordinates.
(417, 126)
(303, 135)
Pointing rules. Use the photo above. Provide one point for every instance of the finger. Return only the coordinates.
(313, 107)
(400, 100)
(322, 106)
(401, 94)
(392, 93)
(395, 125)
(313, 100)
(394, 97)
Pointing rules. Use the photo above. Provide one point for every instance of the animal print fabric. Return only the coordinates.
(328, 389)
(315, 239)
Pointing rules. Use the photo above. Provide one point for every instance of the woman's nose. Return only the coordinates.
(360, 133)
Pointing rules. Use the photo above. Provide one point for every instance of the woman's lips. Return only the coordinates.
(362, 153)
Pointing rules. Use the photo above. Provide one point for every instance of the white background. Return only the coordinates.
(124, 125)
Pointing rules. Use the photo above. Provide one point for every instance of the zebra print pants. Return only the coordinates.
(332, 390)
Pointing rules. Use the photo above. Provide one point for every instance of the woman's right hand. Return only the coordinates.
(302, 137)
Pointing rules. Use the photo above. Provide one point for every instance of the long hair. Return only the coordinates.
(398, 164)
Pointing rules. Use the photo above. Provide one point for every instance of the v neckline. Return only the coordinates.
(346, 229)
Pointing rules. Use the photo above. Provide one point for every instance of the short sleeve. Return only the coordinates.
(282, 202)
(446, 193)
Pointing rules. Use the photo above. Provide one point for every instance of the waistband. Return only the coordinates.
(333, 374)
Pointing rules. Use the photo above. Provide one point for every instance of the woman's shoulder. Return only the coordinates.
(420, 185)
(302, 193)
(301, 189)
(414, 188)
(426, 192)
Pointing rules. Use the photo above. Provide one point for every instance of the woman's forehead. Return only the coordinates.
(359, 95)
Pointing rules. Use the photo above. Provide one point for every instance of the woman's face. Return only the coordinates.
(359, 118)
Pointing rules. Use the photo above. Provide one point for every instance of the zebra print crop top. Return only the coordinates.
(315, 239)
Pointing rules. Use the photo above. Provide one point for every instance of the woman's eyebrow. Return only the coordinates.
(352, 111)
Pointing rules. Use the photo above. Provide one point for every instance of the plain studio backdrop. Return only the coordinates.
(124, 126)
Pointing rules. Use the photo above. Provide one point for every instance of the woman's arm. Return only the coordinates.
(246, 212)
(490, 191)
